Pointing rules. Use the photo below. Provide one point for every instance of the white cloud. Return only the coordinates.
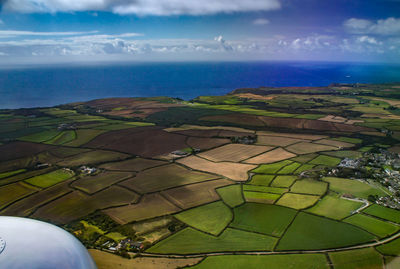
(261, 21)
(389, 26)
(367, 39)
(1, 21)
(144, 7)
(9, 33)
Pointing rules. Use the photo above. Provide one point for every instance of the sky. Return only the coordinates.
(53, 31)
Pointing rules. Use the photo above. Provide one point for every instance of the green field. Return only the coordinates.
(268, 219)
(9, 174)
(325, 160)
(92, 157)
(260, 197)
(231, 195)
(83, 136)
(304, 167)
(271, 168)
(50, 179)
(297, 201)
(372, 225)
(334, 207)
(264, 189)
(289, 169)
(40, 137)
(354, 187)
(211, 218)
(11, 193)
(349, 140)
(62, 138)
(262, 180)
(383, 213)
(392, 248)
(360, 258)
(309, 186)
(283, 181)
(290, 261)
(309, 232)
(344, 154)
(190, 241)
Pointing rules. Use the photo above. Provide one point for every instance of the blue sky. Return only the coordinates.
(43, 31)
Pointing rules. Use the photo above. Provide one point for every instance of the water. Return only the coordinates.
(53, 85)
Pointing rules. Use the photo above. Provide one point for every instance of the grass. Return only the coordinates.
(40, 137)
(260, 197)
(211, 218)
(309, 232)
(264, 189)
(271, 168)
(115, 236)
(372, 225)
(297, 201)
(231, 195)
(359, 258)
(190, 241)
(349, 140)
(83, 136)
(289, 169)
(50, 179)
(290, 261)
(344, 154)
(283, 181)
(334, 207)
(304, 158)
(92, 184)
(62, 138)
(268, 219)
(304, 167)
(309, 186)
(262, 180)
(392, 248)
(354, 187)
(12, 173)
(383, 213)
(325, 160)
(11, 193)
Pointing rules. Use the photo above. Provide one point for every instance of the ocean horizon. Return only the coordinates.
(50, 85)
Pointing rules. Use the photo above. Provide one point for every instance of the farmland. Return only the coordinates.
(251, 179)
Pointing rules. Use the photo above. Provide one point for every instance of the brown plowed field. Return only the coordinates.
(272, 156)
(242, 119)
(142, 141)
(195, 194)
(135, 165)
(235, 171)
(200, 133)
(206, 143)
(164, 177)
(287, 123)
(150, 206)
(15, 150)
(76, 204)
(234, 152)
(92, 184)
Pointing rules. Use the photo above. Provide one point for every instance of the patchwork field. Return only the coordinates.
(235, 171)
(250, 179)
(150, 206)
(272, 156)
(195, 194)
(233, 152)
(154, 179)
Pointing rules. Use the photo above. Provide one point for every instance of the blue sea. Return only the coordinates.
(53, 85)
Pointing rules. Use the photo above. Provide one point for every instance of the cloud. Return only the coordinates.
(223, 43)
(9, 33)
(389, 26)
(144, 7)
(1, 22)
(367, 39)
(261, 21)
